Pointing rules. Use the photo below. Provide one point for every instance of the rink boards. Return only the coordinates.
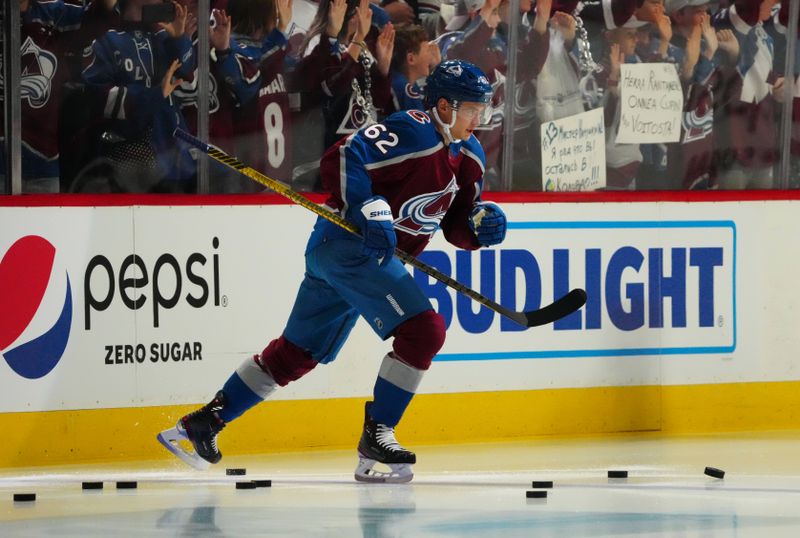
(119, 319)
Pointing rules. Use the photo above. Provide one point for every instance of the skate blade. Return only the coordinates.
(171, 440)
(399, 473)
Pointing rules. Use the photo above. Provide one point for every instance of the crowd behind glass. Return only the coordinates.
(601, 94)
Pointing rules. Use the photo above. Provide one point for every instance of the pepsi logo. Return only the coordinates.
(27, 287)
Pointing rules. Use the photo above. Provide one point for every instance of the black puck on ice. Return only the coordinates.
(24, 497)
(713, 471)
(263, 483)
(618, 474)
(536, 494)
(235, 472)
(542, 484)
(249, 484)
(91, 485)
(127, 485)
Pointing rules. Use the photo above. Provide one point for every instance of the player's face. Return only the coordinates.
(468, 117)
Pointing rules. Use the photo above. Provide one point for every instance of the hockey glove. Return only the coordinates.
(488, 222)
(376, 226)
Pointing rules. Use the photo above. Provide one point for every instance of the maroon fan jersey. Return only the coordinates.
(272, 150)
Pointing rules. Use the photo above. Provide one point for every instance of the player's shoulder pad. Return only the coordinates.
(473, 149)
(414, 129)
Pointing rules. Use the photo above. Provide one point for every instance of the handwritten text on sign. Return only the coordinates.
(574, 152)
(651, 102)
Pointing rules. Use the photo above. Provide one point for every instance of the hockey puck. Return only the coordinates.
(536, 494)
(249, 484)
(544, 484)
(716, 473)
(263, 483)
(127, 485)
(24, 497)
(618, 474)
(235, 472)
(91, 485)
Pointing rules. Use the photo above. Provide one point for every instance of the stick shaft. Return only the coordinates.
(284, 190)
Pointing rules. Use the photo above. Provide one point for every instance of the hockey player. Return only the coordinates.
(399, 181)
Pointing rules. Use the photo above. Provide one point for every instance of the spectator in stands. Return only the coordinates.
(653, 46)
(399, 11)
(248, 62)
(694, 48)
(423, 12)
(347, 55)
(50, 31)
(604, 15)
(778, 30)
(430, 16)
(133, 71)
(622, 160)
(483, 45)
(550, 91)
(745, 120)
(413, 59)
(558, 92)
(461, 13)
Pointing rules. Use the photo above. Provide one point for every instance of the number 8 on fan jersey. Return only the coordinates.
(273, 104)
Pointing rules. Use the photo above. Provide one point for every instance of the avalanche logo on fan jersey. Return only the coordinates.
(698, 123)
(413, 91)
(37, 75)
(422, 214)
(25, 272)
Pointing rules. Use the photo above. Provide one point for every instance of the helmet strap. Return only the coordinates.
(446, 126)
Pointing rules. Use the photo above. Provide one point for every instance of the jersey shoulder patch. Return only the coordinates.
(414, 127)
(400, 137)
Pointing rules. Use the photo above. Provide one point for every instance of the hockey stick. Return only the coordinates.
(533, 318)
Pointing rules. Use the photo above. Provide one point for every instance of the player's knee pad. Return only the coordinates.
(285, 361)
(419, 339)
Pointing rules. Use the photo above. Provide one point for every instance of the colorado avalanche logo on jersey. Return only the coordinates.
(413, 91)
(524, 104)
(698, 123)
(422, 214)
(186, 94)
(359, 113)
(37, 75)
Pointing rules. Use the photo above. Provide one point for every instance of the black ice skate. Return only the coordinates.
(378, 445)
(200, 428)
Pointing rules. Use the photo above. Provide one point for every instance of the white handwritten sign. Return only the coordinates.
(574, 152)
(651, 102)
